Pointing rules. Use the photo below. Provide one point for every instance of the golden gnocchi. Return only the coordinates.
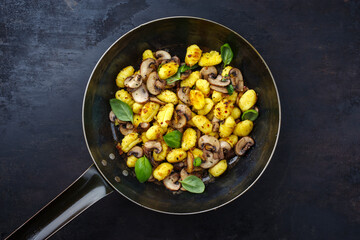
(178, 118)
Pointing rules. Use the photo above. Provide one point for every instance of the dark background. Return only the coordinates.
(310, 190)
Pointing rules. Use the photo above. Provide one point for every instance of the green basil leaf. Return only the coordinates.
(173, 139)
(143, 169)
(250, 114)
(226, 54)
(183, 68)
(195, 66)
(197, 161)
(173, 78)
(230, 89)
(121, 110)
(193, 184)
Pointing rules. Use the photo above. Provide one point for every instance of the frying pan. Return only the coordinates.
(109, 172)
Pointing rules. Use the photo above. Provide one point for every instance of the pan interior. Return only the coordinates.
(175, 35)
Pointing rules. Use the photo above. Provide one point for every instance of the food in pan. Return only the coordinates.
(182, 122)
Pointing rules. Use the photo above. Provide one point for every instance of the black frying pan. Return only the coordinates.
(108, 174)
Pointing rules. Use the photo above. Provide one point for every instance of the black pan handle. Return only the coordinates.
(81, 194)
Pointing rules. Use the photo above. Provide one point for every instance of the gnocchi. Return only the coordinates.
(183, 116)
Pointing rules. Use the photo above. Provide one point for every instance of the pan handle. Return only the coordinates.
(81, 194)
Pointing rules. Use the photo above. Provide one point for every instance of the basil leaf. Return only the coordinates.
(174, 78)
(121, 110)
(250, 114)
(230, 89)
(183, 68)
(226, 54)
(197, 162)
(193, 184)
(173, 139)
(143, 169)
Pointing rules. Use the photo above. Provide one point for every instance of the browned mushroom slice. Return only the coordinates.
(225, 148)
(237, 79)
(133, 81)
(190, 162)
(211, 159)
(184, 95)
(181, 115)
(178, 166)
(149, 147)
(136, 151)
(185, 110)
(185, 74)
(219, 81)
(156, 100)
(162, 55)
(216, 124)
(209, 143)
(219, 89)
(172, 182)
(176, 60)
(126, 128)
(179, 121)
(183, 175)
(147, 66)
(208, 71)
(154, 84)
(112, 116)
(152, 146)
(141, 94)
(144, 125)
(243, 145)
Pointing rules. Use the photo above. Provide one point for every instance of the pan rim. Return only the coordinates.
(169, 212)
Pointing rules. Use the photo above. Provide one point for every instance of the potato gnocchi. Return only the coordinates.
(186, 118)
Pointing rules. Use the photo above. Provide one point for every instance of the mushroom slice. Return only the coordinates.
(183, 175)
(152, 146)
(198, 133)
(185, 74)
(162, 55)
(243, 145)
(185, 110)
(181, 116)
(133, 81)
(219, 81)
(210, 143)
(156, 100)
(172, 182)
(154, 84)
(184, 95)
(149, 147)
(208, 71)
(225, 148)
(219, 89)
(211, 159)
(147, 66)
(216, 124)
(178, 166)
(179, 121)
(190, 163)
(237, 79)
(136, 151)
(141, 94)
(112, 116)
(144, 125)
(126, 128)
(176, 60)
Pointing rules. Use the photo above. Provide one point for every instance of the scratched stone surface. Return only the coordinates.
(311, 189)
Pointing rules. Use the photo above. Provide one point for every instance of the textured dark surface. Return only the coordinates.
(311, 189)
